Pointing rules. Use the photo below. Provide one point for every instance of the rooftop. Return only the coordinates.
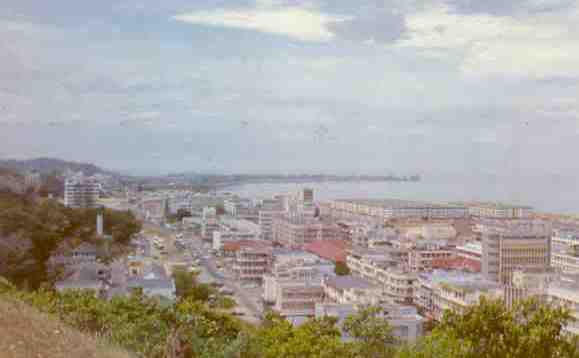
(399, 204)
(349, 282)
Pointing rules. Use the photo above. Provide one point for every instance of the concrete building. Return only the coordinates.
(234, 230)
(351, 289)
(294, 284)
(296, 231)
(498, 210)
(251, 263)
(377, 211)
(265, 219)
(515, 245)
(566, 236)
(404, 320)
(209, 222)
(565, 258)
(387, 269)
(438, 291)
(565, 292)
(81, 192)
(432, 231)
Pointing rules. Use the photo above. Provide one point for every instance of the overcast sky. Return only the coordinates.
(344, 86)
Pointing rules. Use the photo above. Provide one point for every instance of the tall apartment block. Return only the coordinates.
(80, 192)
(515, 245)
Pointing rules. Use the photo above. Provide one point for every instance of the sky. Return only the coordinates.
(284, 86)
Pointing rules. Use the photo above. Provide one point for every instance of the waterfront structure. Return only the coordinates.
(406, 323)
(498, 210)
(81, 192)
(440, 290)
(377, 211)
(515, 245)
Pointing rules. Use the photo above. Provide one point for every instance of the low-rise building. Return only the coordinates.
(405, 321)
(438, 291)
(386, 268)
(351, 289)
(234, 230)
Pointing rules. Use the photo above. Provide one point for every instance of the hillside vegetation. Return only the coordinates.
(26, 332)
(51, 165)
(31, 230)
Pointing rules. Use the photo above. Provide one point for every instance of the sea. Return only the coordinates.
(546, 193)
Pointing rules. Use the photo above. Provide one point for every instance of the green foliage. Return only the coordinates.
(187, 286)
(139, 324)
(226, 303)
(315, 338)
(490, 329)
(42, 225)
(372, 333)
(341, 269)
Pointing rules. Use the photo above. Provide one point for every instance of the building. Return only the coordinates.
(471, 250)
(405, 321)
(351, 289)
(432, 231)
(377, 211)
(514, 245)
(151, 279)
(498, 210)
(251, 263)
(373, 237)
(331, 250)
(565, 258)
(438, 291)
(234, 230)
(81, 192)
(296, 231)
(565, 236)
(89, 276)
(209, 223)
(565, 292)
(387, 269)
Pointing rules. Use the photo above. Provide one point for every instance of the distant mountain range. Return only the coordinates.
(51, 165)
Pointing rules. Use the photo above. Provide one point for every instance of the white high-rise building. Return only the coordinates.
(81, 192)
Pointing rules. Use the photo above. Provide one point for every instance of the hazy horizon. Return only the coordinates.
(313, 86)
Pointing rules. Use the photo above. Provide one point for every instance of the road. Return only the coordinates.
(245, 302)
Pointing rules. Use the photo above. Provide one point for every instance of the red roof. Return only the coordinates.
(457, 263)
(333, 250)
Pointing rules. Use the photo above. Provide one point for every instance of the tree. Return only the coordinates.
(371, 331)
(491, 329)
(341, 269)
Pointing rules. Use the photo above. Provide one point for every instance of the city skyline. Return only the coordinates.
(280, 85)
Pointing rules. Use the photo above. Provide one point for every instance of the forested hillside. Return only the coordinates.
(31, 229)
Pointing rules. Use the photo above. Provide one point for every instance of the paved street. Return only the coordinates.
(247, 299)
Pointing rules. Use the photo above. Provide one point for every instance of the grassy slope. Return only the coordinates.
(24, 332)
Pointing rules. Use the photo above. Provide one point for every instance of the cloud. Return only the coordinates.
(508, 7)
(537, 46)
(372, 28)
(294, 22)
